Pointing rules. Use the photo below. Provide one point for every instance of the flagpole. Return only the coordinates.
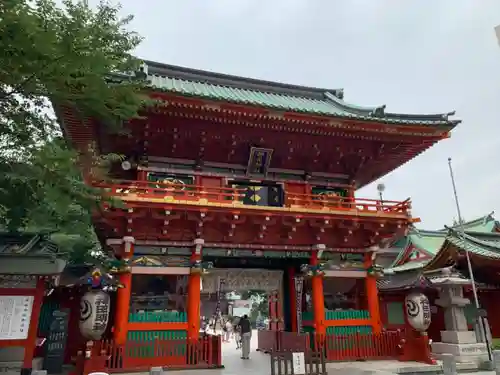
(467, 256)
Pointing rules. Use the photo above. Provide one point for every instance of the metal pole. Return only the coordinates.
(467, 256)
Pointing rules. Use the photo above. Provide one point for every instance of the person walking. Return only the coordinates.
(245, 328)
(228, 330)
(237, 335)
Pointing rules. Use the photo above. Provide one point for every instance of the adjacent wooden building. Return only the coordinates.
(424, 250)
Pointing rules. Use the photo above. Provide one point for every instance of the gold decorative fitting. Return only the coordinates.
(196, 271)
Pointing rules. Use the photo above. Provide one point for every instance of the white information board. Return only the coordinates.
(298, 363)
(15, 316)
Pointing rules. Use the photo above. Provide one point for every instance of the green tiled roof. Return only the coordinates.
(432, 241)
(315, 101)
(406, 267)
(488, 246)
(479, 239)
(26, 244)
(485, 224)
(481, 244)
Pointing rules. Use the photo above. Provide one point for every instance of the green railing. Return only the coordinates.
(348, 330)
(341, 315)
(157, 317)
(307, 315)
(146, 336)
(347, 314)
(148, 343)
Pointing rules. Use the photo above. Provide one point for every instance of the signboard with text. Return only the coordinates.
(299, 287)
(298, 363)
(15, 316)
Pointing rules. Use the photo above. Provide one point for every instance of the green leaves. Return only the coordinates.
(61, 56)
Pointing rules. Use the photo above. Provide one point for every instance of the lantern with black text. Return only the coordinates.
(94, 314)
(418, 311)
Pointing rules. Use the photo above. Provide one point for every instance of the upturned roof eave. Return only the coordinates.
(445, 254)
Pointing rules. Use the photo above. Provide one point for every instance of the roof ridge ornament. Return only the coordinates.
(143, 71)
(488, 217)
(379, 111)
(445, 116)
(339, 93)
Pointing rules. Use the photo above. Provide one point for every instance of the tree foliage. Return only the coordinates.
(260, 304)
(56, 56)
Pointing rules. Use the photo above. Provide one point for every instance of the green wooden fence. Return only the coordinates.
(149, 340)
(157, 317)
(341, 315)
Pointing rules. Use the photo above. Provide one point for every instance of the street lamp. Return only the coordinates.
(381, 189)
(469, 264)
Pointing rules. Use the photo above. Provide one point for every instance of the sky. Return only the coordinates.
(415, 56)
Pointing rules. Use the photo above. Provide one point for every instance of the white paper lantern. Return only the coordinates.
(418, 311)
(94, 314)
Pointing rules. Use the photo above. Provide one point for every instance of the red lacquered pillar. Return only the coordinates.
(123, 296)
(194, 293)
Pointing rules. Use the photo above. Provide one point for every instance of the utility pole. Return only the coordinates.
(481, 322)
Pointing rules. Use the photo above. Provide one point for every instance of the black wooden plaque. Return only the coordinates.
(56, 342)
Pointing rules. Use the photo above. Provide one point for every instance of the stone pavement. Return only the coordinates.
(258, 364)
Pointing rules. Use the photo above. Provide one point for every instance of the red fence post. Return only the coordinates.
(415, 347)
(219, 351)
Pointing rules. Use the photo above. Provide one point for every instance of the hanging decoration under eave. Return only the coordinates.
(310, 270)
(118, 266)
(200, 267)
(375, 271)
(96, 280)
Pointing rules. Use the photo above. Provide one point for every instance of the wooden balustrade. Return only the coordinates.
(383, 345)
(267, 340)
(196, 194)
(355, 346)
(140, 356)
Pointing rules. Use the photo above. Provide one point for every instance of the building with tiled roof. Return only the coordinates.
(422, 251)
(420, 248)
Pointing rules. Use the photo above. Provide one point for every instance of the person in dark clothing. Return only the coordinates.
(245, 328)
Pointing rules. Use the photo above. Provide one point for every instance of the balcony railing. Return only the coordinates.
(221, 196)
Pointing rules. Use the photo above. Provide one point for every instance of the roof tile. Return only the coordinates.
(322, 102)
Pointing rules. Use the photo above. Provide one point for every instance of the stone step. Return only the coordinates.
(462, 368)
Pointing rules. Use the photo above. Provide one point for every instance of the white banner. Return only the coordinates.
(299, 286)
